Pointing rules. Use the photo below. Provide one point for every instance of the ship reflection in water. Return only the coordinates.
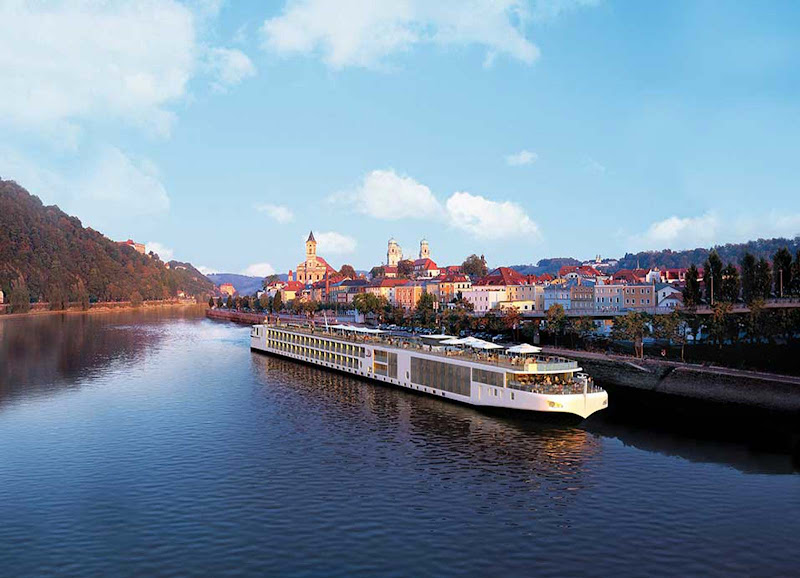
(142, 443)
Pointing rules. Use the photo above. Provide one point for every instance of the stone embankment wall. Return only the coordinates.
(717, 385)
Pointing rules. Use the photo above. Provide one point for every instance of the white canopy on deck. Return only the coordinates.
(524, 348)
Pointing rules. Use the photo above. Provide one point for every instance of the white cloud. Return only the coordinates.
(164, 253)
(229, 67)
(259, 270)
(712, 229)
(489, 219)
(206, 270)
(384, 194)
(65, 61)
(334, 243)
(356, 33)
(521, 158)
(279, 213)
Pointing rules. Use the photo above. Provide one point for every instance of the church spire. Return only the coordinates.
(311, 237)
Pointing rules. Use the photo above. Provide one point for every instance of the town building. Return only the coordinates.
(314, 267)
(424, 249)
(672, 301)
(394, 254)
(557, 294)
(609, 296)
(450, 286)
(485, 298)
(640, 296)
(227, 289)
(665, 291)
(407, 295)
(581, 297)
(425, 268)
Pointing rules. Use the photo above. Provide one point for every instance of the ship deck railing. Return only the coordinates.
(518, 363)
(572, 387)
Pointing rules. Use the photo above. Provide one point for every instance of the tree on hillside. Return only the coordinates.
(729, 291)
(20, 297)
(474, 266)
(80, 294)
(348, 271)
(267, 280)
(136, 299)
(782, 271)
(691, 292)
(748, 264)
(712, 276)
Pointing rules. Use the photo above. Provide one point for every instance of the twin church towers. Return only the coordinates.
(394, 253)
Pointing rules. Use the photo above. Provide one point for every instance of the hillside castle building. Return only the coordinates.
(394, 253)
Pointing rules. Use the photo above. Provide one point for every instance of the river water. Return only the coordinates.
(156, 443)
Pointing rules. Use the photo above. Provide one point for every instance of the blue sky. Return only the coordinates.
(221, 132)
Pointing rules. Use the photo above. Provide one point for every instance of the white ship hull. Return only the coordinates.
(360, 359)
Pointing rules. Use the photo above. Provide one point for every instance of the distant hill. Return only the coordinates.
(730, 253)
(244, 284)
(550, 266)
(56, 255)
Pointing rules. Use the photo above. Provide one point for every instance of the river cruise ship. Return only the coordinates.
(465, 370)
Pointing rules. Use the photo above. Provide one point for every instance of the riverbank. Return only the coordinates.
(100, 307)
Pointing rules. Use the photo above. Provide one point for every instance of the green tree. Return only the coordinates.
(671, 327)
(712, 276)
(377, 272)
(763, 279)
(405, 268)
(80, 294)
(748, 263)
(136, 299)
(425, 311)
(729, 289)
(267, 280)
(229, 302)
(720, 323)
(556, 321)
(19, 297)
(691, 292)
(211, 303)
(474, 266)
(782, 271)
(633, 326)
(277, 302)
(795, 286)
(264, 301)
(348, 271)
(57, 297)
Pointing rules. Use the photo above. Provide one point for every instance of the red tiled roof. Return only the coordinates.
(426, 264)
(501, 276)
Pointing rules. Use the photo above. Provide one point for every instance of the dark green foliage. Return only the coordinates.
(19, 297)
(762, 279)
(425, 311)
(405, 268)
(712, 276)
(229, 303)
(377, 272)
(782, 271)
(474, 266)
(348, 271)
(691, 293)
(211, 302)
(277, 302)
(54, 253)
(136, 299)
(748, 264)
(729, 291)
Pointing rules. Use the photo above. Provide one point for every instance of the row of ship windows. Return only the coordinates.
(307, 352)
(309, 341)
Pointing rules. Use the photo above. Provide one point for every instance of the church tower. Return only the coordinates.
(311, 250)
(394, 254)
(424, 250)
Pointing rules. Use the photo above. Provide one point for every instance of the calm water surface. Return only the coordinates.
(158, 444)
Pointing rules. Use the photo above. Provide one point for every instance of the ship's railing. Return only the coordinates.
(538, 363)
(576, 386)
